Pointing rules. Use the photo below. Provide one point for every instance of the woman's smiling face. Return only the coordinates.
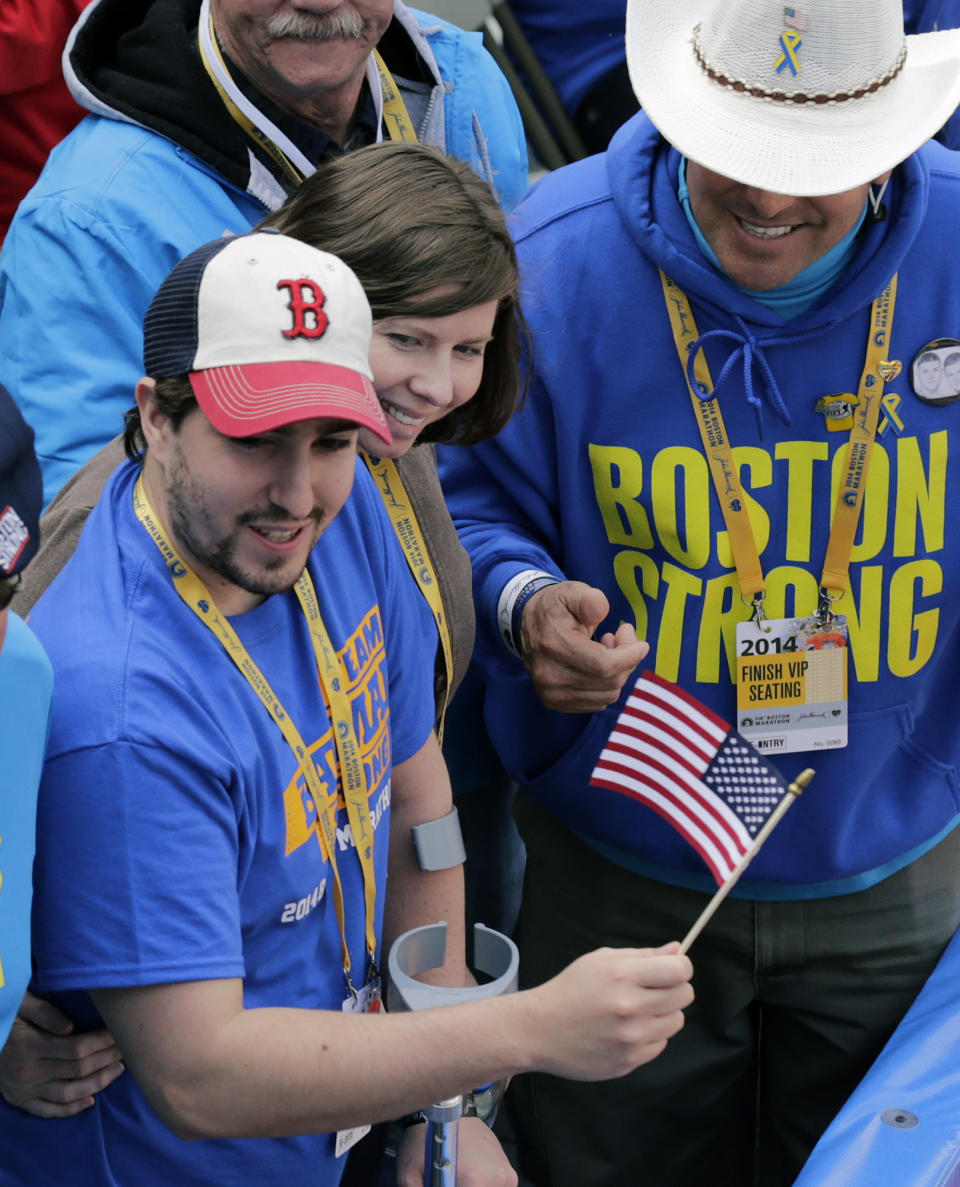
(424, 368)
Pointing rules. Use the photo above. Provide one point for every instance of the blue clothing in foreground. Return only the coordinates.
(159, 169)
(602, 478)
(26, 686)
(911, 1086)
(177, 839)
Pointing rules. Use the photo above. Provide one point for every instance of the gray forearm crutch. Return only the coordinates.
(413, 953)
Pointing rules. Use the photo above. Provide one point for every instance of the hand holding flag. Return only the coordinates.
(673, 754)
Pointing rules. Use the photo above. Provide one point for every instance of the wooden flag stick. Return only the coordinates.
(793, 790)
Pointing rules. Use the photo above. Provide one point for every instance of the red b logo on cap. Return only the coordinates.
(306, 304)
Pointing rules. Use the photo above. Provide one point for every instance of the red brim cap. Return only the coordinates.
(241, 401)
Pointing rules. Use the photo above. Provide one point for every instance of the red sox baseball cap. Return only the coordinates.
(269, 330)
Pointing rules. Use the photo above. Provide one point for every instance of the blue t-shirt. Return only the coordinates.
(177, 839)
(26, 685)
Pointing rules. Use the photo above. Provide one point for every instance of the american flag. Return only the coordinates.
(680, 759)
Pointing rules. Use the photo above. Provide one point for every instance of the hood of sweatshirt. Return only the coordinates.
(642, 172)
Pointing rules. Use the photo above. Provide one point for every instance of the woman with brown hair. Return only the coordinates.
(431, 248)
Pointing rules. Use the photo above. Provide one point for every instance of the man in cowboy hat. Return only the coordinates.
(771, 230)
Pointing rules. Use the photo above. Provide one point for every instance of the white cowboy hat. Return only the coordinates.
(797, 100)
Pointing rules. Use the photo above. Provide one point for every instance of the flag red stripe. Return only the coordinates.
(641, 729)
(654, 701)
(714, 814)
(683, 695)
(720, 871)
(653, 756)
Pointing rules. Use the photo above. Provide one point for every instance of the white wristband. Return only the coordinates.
(508, 599)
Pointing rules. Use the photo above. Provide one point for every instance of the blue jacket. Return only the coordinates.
(602, 478)
(158, 169)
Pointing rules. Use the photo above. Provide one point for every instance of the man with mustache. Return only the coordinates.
(204, 116)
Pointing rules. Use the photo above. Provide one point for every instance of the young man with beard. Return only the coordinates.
(203, 117)
(243, 734)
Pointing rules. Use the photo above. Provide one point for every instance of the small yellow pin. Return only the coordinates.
(790, 43)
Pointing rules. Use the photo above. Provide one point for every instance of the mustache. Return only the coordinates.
(314, 26)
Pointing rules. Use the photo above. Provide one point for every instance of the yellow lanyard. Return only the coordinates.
(723, 468)
(409, 533)
(333, 683)
(395, 114)
(292, 163)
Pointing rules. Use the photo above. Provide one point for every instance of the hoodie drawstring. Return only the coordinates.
(751, 350)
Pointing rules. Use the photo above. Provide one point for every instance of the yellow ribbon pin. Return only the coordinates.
(891, 402)
(790, 42)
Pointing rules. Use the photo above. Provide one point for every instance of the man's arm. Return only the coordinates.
(93, 354)
(46, 1070)
(212, 1068)
(504, 497)
(420, 792)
